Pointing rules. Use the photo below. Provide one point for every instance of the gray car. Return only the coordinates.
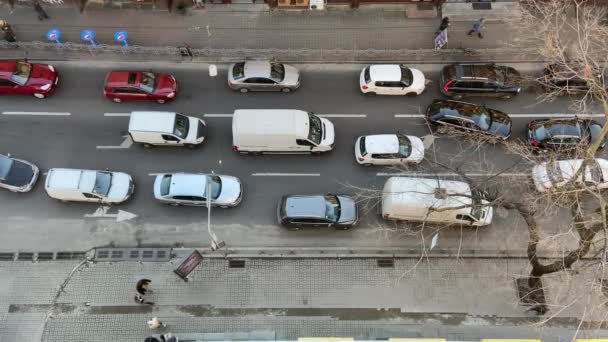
(263, 76)
(17, 175)
(191, 189)
(297, 211)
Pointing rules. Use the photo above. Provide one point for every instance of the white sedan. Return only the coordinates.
(193, 189)
(388, 149)
(552, 175)
(391, 79)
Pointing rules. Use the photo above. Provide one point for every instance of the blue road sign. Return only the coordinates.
(121, 37)
(88, 36)
(53, 35)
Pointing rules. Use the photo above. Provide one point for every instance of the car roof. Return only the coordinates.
(187, 184)
(122, 78)
(478, 71)
(449, 108)
(7, 67)
(73, 179)
(561, 127)
(305, 206)
(152, 121)
(257, 69)
(385, 72)
(382, 143)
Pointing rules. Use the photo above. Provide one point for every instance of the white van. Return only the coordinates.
(430, 200)
(89, 185)
(166, 129)
(280, 131)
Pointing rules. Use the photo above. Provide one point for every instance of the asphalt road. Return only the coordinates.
(35, 222)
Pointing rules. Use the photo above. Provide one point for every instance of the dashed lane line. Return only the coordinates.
(451, 174)
(217, 115)
(342, 115)
(38, 113)
(116, 114)
(275, 174)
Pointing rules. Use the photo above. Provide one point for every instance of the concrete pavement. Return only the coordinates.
(469, 298)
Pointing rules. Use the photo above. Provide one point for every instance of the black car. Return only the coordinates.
(563, 134)
(17, 175)
(558, 78)
(297, 212)
(469, 117)
(459, 80)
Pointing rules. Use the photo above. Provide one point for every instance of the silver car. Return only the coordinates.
(17, 175)
(191, 189)
(263, 76)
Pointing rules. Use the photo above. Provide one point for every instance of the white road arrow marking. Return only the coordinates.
(428, 141)
(124, 145)
(102, 212)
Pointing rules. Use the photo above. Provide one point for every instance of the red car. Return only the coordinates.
(24, 78)
(140, 85)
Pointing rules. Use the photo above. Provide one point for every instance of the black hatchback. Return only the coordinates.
(460, 80)
(563, 134)
(469, 117)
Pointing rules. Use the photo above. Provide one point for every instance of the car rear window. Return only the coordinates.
(165, 184)
(366, 75)
(5, 166)
(238, 71)
(448, 73)
(362, 149)
(407, 77)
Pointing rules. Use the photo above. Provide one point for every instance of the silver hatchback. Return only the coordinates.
(263, 76)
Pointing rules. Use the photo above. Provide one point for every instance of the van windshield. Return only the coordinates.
(316, 130)
(181, 126)
(477, 207)
(103, 180)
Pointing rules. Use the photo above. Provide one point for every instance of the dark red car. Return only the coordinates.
(24, 78)
(140, 85)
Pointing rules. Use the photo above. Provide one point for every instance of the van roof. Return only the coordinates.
(269, 122)
(424, 192)
(71, 179)
(152, 121)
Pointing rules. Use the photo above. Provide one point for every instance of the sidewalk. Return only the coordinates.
(289, 298)
(282, 30)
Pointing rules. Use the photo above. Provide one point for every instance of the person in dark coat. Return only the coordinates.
(143, 286)
(41, 12)
(168, 338)
(151, 339)
(445, 23)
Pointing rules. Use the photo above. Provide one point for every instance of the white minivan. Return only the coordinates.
(166, 129)
(89, 185)
(434, 201)
(259, 131)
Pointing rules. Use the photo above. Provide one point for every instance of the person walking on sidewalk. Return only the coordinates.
(478, 27)
(445, 23)
(9, 35)
(168, 338)
(143, 286)
(155, 323)
(41, 12)
(141, 300)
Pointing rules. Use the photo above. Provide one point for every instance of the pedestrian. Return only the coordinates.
(151, 339)
(9, 35)
(141, 300)
(41, 12)
(478, 27)
(445, 23)
(155, 323)
(143, 286)
(168, 338)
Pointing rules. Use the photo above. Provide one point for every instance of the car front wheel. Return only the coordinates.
(39, 95)
(117, 100)
(161, 101)
(286, 90)
(243, 90)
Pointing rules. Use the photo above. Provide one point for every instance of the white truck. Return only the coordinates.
(434, 201)
(166, 129)
(257, 131)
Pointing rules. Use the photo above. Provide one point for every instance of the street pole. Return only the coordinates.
(215, 245)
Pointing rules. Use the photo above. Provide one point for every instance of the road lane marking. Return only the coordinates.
(409, 115)
(342, 115)
(271, 174)
(128, 142)
(217, 115)
(116, 114)
(38, 113)
(449, 174)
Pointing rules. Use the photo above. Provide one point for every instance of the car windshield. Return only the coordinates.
(549, 130)
(148, 82)
(165, 184)
(316, 129)
(277, 71)
(216, 186)
(22, 73)
(594, 172)
(181, 126)
(405, 146)
(554, 172)
(406, 76)
(477, 204)
(5, 166)
(238, 71)
(594, 131)
(483, 119)
(332, 208)
(103, 180)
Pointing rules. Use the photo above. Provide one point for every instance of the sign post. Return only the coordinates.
(188, 265)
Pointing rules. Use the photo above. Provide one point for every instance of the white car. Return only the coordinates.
(89, 186)
(391, 79)
(552, 175)
(388, 149)
(191, 189)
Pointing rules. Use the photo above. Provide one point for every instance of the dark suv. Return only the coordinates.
(296, 212)
(563, 135)
(565, 81)
(459, 80)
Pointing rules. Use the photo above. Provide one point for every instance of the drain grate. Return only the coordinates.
(7, 256)
(236, 263)
(25, 256)
(69, 255)
(45, 256)
(132, 254)
(386, 263)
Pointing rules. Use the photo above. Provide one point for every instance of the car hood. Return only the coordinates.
(292, 76)
(417, 149)
(165, 84)
(231, 191)
(348, 210)
(501, 124)
(21, 174)
(419, 81)
(41, 75)
(119, 190)
(328, 133)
